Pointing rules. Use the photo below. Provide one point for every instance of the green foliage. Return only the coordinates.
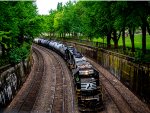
(138, 41)
(101, 19)
(5, 41)
(4, 60)
(20, 53)
(58, 25)
(20, 18)
(19, 22)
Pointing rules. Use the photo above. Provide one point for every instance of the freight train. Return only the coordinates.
(85, 76)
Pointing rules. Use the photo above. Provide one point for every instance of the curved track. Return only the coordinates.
(125, 101)
(63, 95)
(48, 88)
(22, 102)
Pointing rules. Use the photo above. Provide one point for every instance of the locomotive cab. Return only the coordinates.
(73, 56)
(88, 90)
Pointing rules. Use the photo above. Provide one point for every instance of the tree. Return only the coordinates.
(25, 13)
(120, 12)
(59, 6)
(58, 25)
(20, 18)
(17, 20)
(105, 20)
(143, 10)
(5, 41)
(50, 22)
(8, 21)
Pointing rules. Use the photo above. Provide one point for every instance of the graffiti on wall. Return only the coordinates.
(8, 87)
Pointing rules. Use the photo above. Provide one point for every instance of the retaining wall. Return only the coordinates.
(11, 80)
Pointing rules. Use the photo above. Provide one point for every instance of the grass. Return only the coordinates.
(138, 55)
(137, 39)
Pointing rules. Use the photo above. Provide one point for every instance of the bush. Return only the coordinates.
(16, 55)
(4, 60)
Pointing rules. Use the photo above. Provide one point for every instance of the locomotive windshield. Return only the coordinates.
(77, 55)
(80, 62)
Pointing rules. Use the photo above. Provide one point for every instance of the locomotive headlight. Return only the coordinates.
(86, 72)
(91, 71)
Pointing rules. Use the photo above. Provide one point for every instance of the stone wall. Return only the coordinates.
(12, 79)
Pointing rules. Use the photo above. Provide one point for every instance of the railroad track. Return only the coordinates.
(125, 101)
(26, 97)
(57, 102)
(61, 102)
(119, 100)
(27, 105)
(47, 89)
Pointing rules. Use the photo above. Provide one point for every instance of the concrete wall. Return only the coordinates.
(12, 79)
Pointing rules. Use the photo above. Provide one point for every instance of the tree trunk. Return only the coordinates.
(21, 38)
(144, 37)
(103, 43)
(115, 39)
(53, 34)
(3, 49)
(69, 34)
(75, 35)
(108, 40)
(64, 35)
(132, 43)
(123, 39)
(116, 44)
(131, 32)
